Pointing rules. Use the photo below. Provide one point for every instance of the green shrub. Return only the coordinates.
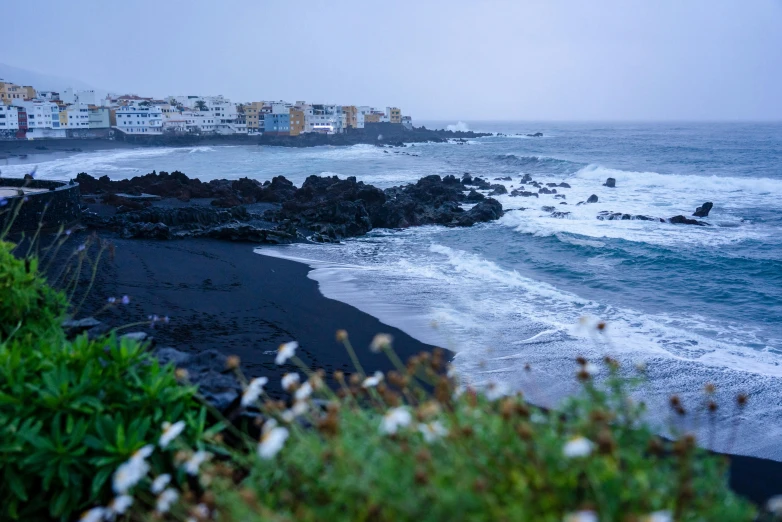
(472, 458)
(385, 449)
(29, 308)
(70, 413)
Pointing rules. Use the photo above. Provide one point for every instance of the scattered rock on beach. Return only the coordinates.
(610, 183)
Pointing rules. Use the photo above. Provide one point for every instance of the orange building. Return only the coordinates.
(252, 112)
(350, 116)
(297, 121)
(372, 117)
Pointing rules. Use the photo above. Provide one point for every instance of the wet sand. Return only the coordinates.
(223, 296)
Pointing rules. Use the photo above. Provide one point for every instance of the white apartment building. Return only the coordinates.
(361, 111)
(41, 114)
(78, 116)
(324, 118)
(82, 96)
(140, 119)
(9, 118)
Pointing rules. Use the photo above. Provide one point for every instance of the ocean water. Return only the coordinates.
(694, 304)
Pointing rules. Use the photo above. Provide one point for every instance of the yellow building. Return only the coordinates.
(297, 121)
(394, 115)
(29, 92)
(10, 92)
(252, 112)
(372, 118)
(351, 116)
(63, 118)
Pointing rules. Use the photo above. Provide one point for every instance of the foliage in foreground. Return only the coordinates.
(29, 308)
(71, 411)
(384, 449)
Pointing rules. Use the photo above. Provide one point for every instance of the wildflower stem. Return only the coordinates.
(92, 280)
(353, 357)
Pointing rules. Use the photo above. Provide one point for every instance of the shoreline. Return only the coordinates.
(224, 296)
(378, 134)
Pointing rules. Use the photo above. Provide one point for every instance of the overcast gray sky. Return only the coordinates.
(447, 59)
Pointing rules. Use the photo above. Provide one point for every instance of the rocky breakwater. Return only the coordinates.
(323, 209)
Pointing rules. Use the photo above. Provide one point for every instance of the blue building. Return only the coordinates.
(277, 123)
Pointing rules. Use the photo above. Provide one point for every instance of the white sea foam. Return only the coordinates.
(458, 127)
(497, 320)
(649, 194)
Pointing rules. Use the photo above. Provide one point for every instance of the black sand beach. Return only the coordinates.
(223, 296)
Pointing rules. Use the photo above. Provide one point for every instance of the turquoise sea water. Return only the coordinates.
(697, 304)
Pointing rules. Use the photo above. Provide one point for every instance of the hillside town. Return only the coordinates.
(28, 113)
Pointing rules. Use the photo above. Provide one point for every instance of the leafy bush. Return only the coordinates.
(29, 308)
(384, 448)
(71, 413)
(487, 457)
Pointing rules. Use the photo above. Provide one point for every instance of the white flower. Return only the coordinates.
(432, 431)
(165, 500)
(582, 516)
(119, 505)
(394, 419)
(170, 432)
(299, 408)
(192, 465)
(285, 352)
(202, 511)
(304, 391)
(272, 442)
(371, 382)
(380, 341)
(143, 452)
(128, 474)
(160, 483)
(289, 380)
(658, 516)
(253, 391)
(774, 504)
(497, 390)
(577, 447)
(590, 368)
(93, 515)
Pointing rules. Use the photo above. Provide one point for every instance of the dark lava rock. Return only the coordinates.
(523, 193)
(474, 197)
(526, 178)
(498, 190)
(506, 178)
(563, 202)
(146, 231)
(681, 220)
(480, 183)
(563, 185)
(536, 135)
(546, 190)
(487, 210)
(614, 216)
(548, 209)
(560, 214)
(559, 196)
(207, 369)
(466, 179)
(703, 211)
(610, 183)
(324, 208)
(592, 199)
